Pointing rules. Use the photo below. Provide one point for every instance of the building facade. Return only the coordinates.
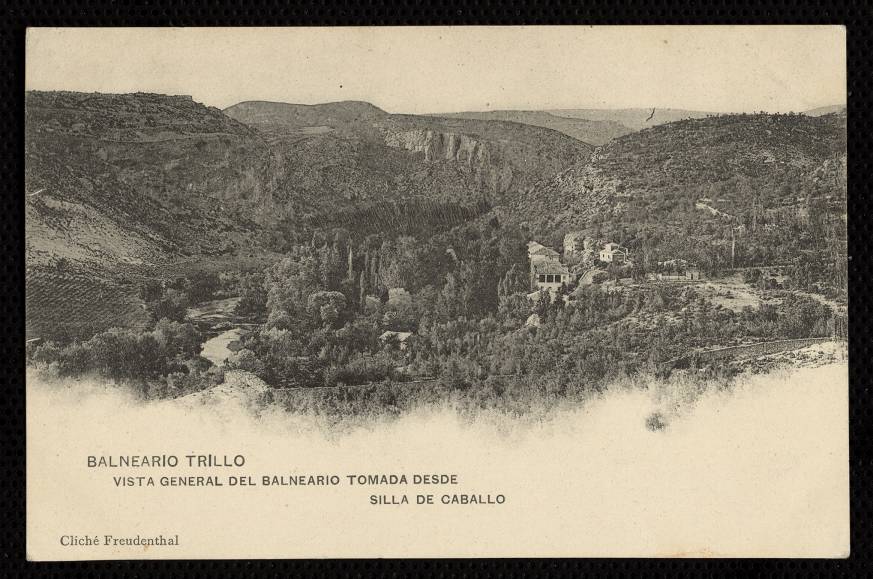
(613, 253)
(549, 275)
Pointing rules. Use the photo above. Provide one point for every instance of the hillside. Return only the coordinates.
(648, 188)
(634, 119)
(118, 186)
(594, 132)
(121, 186)
(145, 178)
(343, 155)
(154, 174)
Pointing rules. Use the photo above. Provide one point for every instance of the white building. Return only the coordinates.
(550, 275)
(613, 253)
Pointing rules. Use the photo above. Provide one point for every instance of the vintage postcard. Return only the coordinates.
(436, 292)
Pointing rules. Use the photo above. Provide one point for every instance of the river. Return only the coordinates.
(218, 314)
(218, 349)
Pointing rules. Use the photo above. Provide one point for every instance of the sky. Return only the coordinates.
(448, 69)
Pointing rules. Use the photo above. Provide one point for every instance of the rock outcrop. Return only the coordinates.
(469, 153)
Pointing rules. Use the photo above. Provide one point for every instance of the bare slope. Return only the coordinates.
(119, 185)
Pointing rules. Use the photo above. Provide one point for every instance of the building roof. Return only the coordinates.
(614, 247)
(548, 266)
(534, 248)
(543, 252)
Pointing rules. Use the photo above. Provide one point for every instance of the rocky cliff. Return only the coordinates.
(486, 168)
(352, 152)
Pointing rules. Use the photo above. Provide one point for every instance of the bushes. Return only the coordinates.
(804, 317)
(181, 338)
(360, 370)
(202, 287)
(246, 360)
(171, 299)
(252, 296)
(123, 354)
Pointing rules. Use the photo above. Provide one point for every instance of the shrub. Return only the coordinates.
(173, 305)
(202, 288)
(252, 296)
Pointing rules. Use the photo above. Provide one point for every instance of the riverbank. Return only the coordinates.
(223, 329)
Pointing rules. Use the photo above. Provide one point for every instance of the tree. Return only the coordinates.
(178, 339)
(252, 296)
(398, 263)
(451, 298)
(329, 305)
(202, 287)
(542, 305)
(173, 305)
(514, 282)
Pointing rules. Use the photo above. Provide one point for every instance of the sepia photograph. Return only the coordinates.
(530, 291)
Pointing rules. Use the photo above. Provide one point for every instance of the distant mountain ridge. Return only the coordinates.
(819, 111)
(163, 175)
(595, 132)
(635, 119)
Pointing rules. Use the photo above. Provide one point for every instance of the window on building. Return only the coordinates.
(542, 278)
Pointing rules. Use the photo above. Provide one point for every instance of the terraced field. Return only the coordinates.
(64, 305)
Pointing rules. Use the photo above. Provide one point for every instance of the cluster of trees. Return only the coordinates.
(327, 304)
(171, 298)
(163, 360)
(601, 332)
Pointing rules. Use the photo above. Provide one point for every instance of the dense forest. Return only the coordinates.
(331, 312)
